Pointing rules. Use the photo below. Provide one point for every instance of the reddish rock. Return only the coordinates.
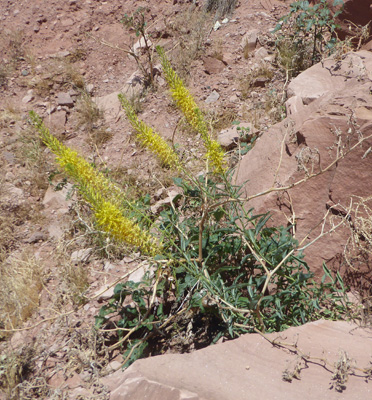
(355, 12)
(249, 40)
(250, 367)
(229, 138)
(339, 111)
(213, 65)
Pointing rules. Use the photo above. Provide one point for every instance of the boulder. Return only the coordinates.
(64, 99)
(355, 12)
(249, 40)
(11, 197)
(250, 367)
(323, 121)
(213, 65)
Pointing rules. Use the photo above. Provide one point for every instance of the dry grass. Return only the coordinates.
(222, 118)
(32, 155)
(59, 74)
(9, 115)
(15, 367)
(4, 75)
(291, 57)
(12, 48)
(191, 29)
(248, 81)
(20, 286)
(91, 118)
(74, 282)
(88, 113)
(221, 7)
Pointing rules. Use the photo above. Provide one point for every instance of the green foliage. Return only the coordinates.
(222, 268)
(218, 269)
(246, 141)
(308, 33)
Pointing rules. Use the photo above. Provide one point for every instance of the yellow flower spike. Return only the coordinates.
(104, 197)
(111, 220)
(150, 139)
(77, 167)
(186, 103)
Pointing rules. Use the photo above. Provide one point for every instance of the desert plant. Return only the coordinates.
(137, 22)
(192, 28)
(222, 272)
(193, 115)
(308, 34)
(219, 269)
(148, 138)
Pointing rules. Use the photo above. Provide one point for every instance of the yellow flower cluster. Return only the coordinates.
(150, 139)
(77, 167)
(104, 197)
(186, 103)
(111, 220)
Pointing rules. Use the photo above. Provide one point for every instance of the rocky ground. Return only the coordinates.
(68, 60)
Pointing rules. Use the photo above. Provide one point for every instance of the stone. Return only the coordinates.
(217, 25)
(294, 106)
(229, 138)
(114, 365)
(104, 293)
(261, 53)
(28, 98)
(324, 99)
(56, 121)
(320, 79)
(82, 255)
(36, 237)
(173, 197)
(89, 88)
(213, 65)
(9, 176)
(64, 99)
(60, 54)
(233, 98)
(213, 97)
(110, 105)
(236, 369)
(9, 157)
(11, 196)
(134, 85)
(56, 229)
(141, 44)
(249, 40)
(57, 200)
(260, 81)
(139, 274)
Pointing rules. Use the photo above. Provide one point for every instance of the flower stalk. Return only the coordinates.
(186, 103)
(150, 139)
(105, 199)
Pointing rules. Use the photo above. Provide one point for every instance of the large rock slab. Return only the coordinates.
(355, 12)
(321, 124)
(250, 367)
(330, 76)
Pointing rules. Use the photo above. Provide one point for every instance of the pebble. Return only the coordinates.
(212, 98)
